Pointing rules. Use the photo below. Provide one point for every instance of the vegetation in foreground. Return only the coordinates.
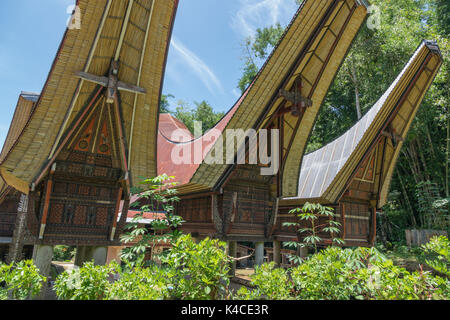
(200, 271)
(193, 270)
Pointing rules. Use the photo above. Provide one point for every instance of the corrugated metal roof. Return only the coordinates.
(31, 96)
(321, 167)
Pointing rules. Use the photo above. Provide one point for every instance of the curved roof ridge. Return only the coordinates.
(220, 125)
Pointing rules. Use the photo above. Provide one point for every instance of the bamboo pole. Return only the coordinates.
(86, 68)
(139, 81)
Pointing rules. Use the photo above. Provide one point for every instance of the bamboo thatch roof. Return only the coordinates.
(137, 33)
(21, 116)
(313, 47)
(326, 173)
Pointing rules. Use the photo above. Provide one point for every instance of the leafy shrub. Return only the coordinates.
(345, 274)
(191, 271)
(20, 280)
(385, 281)
(271, 283)
(329, 274)
(86, 283)
(141, 284)
(160, 193)
(198, 270)
(309, 227)
(438, 249)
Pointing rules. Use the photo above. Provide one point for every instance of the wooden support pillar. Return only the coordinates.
(16, 246)
(99, 255)
(232, 252)
(259, 253)
(80, 256)
(277, 252)
(88, 254)
(373, 227)
(42, 259)
(302, 252)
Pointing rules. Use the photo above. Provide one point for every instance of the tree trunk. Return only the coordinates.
(355, 83)
(447, 160)
(408, 203)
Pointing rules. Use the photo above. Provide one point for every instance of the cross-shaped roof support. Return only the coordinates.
(111, 82)
(295, 96)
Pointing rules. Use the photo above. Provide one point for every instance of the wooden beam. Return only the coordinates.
(116, 214)
(144, 48)
(122, 143)
(373, 229)
(48, 193)
(124, 30)
(122, 86)
(92, 78)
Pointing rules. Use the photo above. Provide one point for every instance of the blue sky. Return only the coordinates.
(204, 60)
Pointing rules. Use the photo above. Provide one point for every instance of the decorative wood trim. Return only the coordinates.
(48, 193)
(216, 219)
(344, 229)
(92, 102)
(373, 229)
(116, 214)
(271, 226)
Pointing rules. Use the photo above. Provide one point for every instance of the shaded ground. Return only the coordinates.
(241, 279)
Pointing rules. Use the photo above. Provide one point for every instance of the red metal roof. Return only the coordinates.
(147, 215)
(173, 133)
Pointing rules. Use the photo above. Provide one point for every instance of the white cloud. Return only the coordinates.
(197, 65)
(253, 14)
(236, 92)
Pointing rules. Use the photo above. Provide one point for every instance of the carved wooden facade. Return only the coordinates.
(82, 193)
(75, 151)
(352, 174)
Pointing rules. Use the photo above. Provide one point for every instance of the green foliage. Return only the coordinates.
(345, 274)
(164, 104)
(327, 275)
(191, 271)
(160, 195)
(309, 214)
(63, 253)
(250, 70)
(271, 283)
(375, 59)
(21, 280)
(89, 282)
(438, 249)
(150, 283)
(203, 112)
(256, 50)
(198, 271)
(373, 62)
